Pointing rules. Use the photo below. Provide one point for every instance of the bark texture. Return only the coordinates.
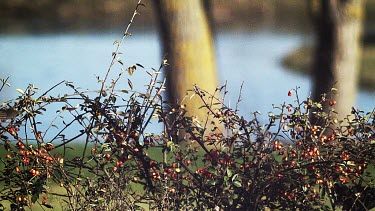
(338, 26)
(188, 45)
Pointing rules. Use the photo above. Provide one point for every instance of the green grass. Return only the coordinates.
(300, 60)
(77, 149)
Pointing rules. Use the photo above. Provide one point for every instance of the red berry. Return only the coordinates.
(108, 156)
(290, 93)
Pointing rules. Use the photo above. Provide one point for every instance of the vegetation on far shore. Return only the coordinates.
(21, 16)
(300, 59)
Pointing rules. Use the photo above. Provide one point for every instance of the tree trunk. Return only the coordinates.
(338, 26)
(188, 45)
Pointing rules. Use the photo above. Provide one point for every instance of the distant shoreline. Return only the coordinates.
(300, 59)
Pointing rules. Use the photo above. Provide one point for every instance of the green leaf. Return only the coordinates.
(34, 198)
(171, 146)
(234, 177)
(229, 172)
(237, 184)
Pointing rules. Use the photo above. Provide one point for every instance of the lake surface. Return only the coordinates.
(250, 57)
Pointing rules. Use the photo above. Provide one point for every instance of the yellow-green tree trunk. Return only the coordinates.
(338, 27)
(188, 45)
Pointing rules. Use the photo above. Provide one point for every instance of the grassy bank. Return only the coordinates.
(57, 195)
(58, 202)
(300, 60)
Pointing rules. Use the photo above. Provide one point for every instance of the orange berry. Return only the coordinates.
(332, 102)
(108, 156)
(11, 131)
(20, 145)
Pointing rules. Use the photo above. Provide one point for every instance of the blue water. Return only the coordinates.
(250, 57)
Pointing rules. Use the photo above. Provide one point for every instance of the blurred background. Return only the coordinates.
(265, 44)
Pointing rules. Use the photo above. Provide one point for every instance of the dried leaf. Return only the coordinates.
(130, 84)
(131, 69)
(139, 65)
(20, 91)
